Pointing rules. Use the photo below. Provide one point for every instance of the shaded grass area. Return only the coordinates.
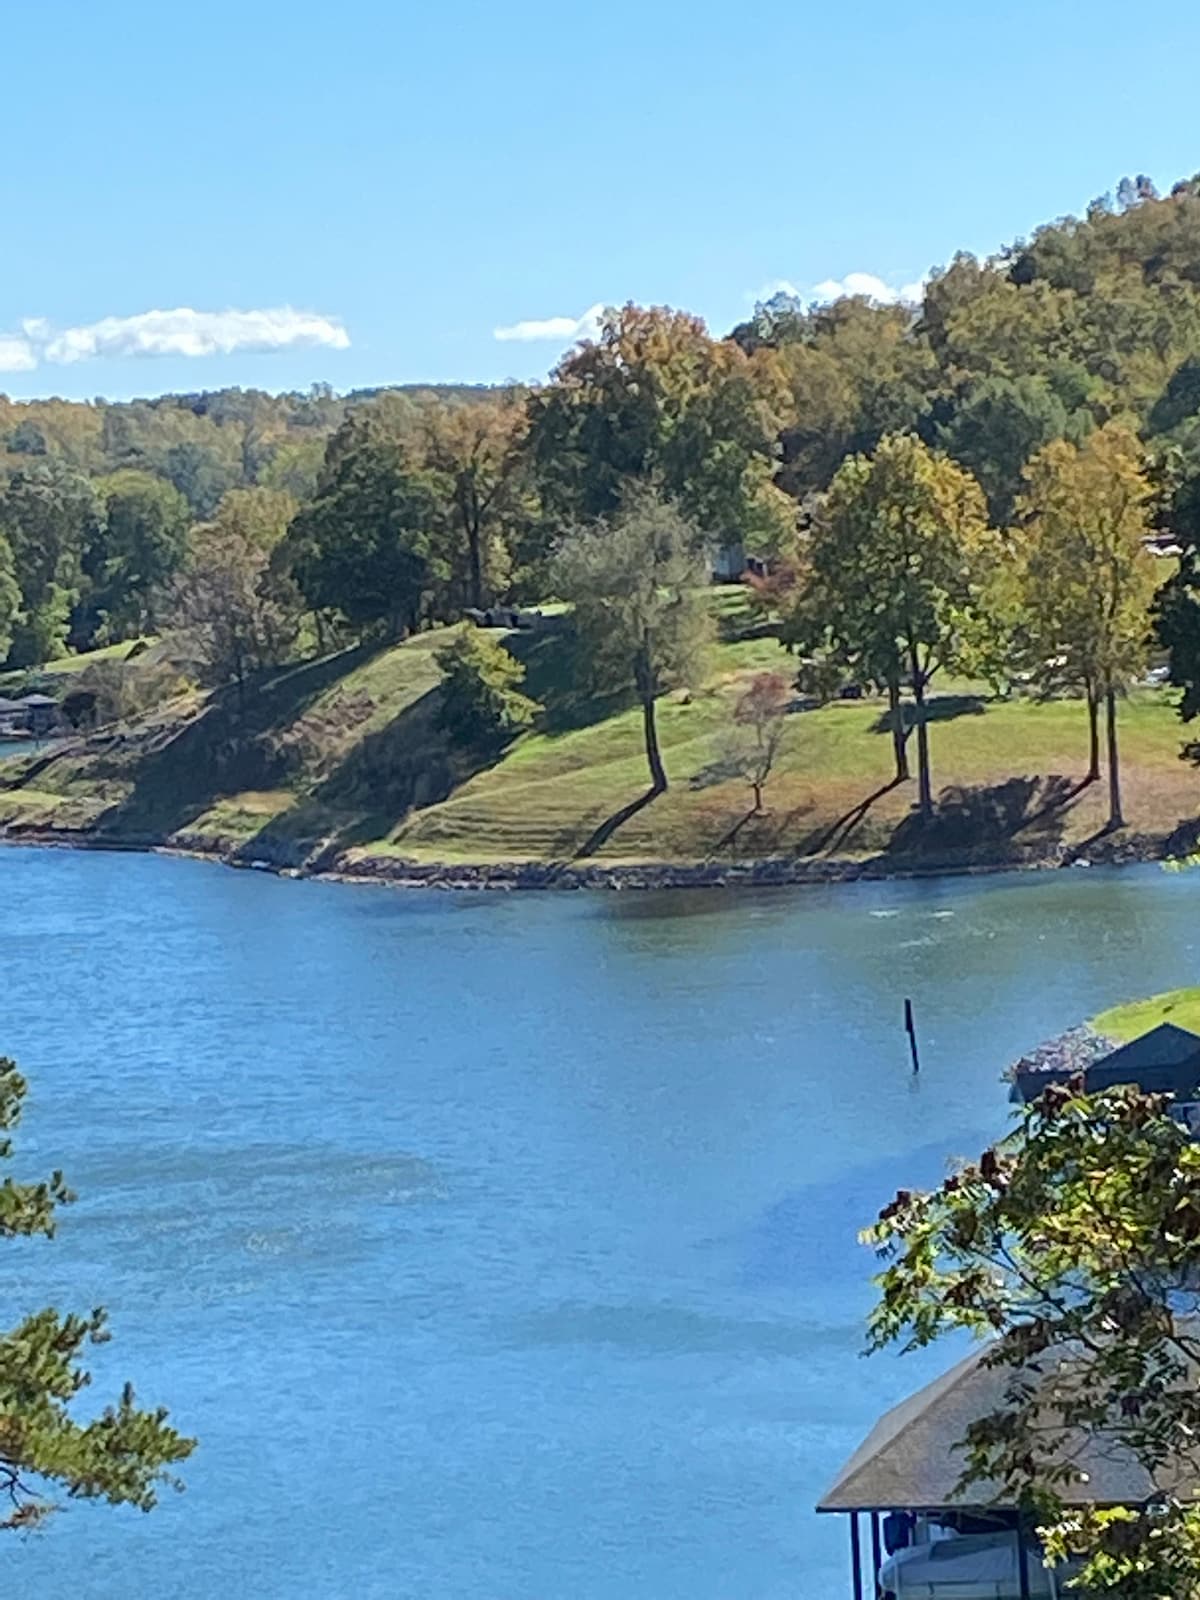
(346, 753)
(1130, 1021)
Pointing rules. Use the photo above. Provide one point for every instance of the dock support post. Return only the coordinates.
(1022, 1558)
(876, 1554)
(855, 1557)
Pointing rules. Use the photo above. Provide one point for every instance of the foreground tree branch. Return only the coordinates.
(1074, 1245)
(125, 1454)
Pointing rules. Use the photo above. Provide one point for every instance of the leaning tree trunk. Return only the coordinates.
(899, 732)
(646, 679)
(1093, 706)
(1115, 819)
(924, 781)
(658, 773)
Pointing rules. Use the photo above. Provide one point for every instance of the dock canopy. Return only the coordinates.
(1164, 1061)
(911, 1460)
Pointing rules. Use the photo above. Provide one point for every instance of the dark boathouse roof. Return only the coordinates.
(910, 1460)
(1164, 1061)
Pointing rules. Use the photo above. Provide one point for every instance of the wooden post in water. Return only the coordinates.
(855, 1557)
(910, 1029)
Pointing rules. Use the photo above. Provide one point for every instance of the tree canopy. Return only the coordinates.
(1074, 1246)
(124, 1455)
(635, 583)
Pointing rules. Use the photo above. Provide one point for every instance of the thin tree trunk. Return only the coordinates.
(1093, 705)
(658, 773)
(1115, 819)
(924, 781)
(899, 733)
(475, 556)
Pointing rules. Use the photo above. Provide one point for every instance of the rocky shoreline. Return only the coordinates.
(297, 860)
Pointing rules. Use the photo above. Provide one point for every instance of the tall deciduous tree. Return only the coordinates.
(50, 515)
(124, 1454)
(1087, 578)
(141, 547)
(995, 428)
(368, 548)
(1074, 1245)
(10, 597)
(896, 570)
(1176, 611)
(235, 614)
(641, 612)
(653, 401)
(478, 450)
(261, 516)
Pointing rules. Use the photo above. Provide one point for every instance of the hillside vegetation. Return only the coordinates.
(957, 510)
(1130, 1021)
(345, 756)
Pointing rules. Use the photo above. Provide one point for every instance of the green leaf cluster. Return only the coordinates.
(482, 706)
(1074, 1246)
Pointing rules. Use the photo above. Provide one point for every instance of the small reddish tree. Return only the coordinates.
(758, 720)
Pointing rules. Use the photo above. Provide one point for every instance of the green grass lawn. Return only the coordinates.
(1130, 1021)
(68, 665)
(347, 752)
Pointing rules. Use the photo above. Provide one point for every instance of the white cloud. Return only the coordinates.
(196, 333)
(16, 354)
(867, 285)
(182, 332)
(563, 330)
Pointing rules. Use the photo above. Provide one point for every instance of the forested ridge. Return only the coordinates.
(965, 489)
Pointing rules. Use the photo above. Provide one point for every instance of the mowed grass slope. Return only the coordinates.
(346, 754)
(1006, 773)
(1130, 1021)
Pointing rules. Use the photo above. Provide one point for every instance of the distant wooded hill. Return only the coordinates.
(205, 443)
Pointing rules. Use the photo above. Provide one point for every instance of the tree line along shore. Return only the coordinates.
(472, 626)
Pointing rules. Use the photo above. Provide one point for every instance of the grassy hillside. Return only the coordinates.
(345, 754)
(1180, 1006)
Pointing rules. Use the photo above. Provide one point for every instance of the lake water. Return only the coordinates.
(505, 1246)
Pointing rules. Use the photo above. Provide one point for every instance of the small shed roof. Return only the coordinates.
(910, 1461)
(1164, 1061)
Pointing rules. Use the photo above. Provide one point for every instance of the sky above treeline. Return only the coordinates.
(274, 194)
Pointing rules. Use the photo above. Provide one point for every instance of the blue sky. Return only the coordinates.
(364, 193)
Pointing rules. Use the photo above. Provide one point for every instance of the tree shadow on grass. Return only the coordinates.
(837, 834)
(557, 677)
(723, 770)
(998, 821)
(406, 766)
(600, 837)
(731, 836)
(938, 708)
(181, 769)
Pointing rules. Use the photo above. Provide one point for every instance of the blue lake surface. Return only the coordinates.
(505, 1246)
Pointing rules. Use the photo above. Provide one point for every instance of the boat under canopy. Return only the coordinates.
(939, 1545)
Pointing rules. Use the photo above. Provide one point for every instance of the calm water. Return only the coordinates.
(505, 1247)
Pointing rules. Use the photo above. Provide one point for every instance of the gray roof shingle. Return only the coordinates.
(910, 1460)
